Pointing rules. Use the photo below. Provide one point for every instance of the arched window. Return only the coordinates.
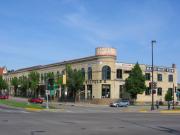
(159, 92)
(83, 72)
(106, 73)
(89, 73)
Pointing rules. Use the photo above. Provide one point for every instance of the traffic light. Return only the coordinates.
(153, 85)
(154, 91)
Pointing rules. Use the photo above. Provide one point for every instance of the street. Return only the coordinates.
(18, 122)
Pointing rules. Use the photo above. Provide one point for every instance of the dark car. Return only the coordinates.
(4, 96)
(36, 100)
(120, 103)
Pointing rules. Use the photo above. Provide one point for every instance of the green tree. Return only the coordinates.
(135, 83)
(24, 85)
(33, 82)
(3, 84)
(75, 81)
(168, 96)
(15, 83)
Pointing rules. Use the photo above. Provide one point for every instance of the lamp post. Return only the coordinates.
(152, 83)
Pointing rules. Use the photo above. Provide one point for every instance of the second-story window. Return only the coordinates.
(170, 78)
(159, 77)
(119, 73)
(83, 72)
(89, 73)
(106, 73)
(147, 76)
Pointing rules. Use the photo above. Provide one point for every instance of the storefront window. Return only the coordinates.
(106, 91)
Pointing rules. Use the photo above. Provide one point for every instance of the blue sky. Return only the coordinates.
(34, 32)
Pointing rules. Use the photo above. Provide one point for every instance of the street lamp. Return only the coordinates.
(152, 83)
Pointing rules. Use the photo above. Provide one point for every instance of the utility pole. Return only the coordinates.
(152, 83)
(173, 96)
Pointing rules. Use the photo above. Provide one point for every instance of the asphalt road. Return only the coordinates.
(18, 122)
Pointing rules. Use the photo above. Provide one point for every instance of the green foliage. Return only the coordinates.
(135, 83)
(75, 79)
(50, 75)
(15, 82)
(168, 96)
(34, 81)
(3, 84)
(24, 85)
(59, 80)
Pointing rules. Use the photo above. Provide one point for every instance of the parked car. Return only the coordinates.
(120, 103)
(36, 100)
(4, 96)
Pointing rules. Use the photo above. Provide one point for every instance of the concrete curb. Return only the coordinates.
(53, 110)
(33, 109)
(170, 111)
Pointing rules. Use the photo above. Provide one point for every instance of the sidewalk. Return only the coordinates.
(66, 105)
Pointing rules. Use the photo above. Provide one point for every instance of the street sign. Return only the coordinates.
(47, 92)
(64, 79)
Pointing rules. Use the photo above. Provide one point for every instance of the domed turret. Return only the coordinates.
(105, 51)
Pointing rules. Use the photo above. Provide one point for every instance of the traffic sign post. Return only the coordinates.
(47, 104)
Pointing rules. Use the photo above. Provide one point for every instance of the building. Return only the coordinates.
(3, 70)
(105, 77)
(178, 92)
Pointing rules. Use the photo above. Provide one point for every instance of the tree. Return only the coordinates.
(3, 84)
(24, 85)
(15, 83)
(135, 83)
(168, 96)
(33, 82)
(75, 81)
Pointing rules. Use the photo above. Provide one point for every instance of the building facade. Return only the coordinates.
(3, 70)
(105, 77)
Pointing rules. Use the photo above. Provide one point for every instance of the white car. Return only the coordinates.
(120, 103)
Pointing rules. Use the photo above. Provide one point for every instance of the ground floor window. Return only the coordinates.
(148, 91)
(106, 89)
(89, 91)
(82, 93)
(159, 92)
(120, 91)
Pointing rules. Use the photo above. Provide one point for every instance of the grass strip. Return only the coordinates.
(20, 104)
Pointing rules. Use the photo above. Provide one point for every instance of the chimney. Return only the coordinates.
(173, 65)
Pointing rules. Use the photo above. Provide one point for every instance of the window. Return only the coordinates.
(89, 73)
(159, 92)
(147, 76)
(89, 91)
(106, 73)
(170, 78)
(83, 72)
(119, 73)
(148, 91)
(105, 91)
(159, 77)
(120, 91)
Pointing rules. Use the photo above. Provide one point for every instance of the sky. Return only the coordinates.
(38, 32)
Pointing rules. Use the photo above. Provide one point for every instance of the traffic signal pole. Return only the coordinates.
(152, 86)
